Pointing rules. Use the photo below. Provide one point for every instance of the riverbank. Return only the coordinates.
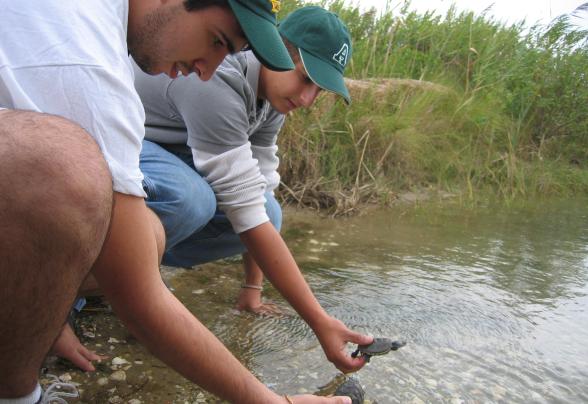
(131, 375)
(455, 283)
(459, 104)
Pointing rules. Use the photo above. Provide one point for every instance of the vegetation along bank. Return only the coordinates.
(458, 104)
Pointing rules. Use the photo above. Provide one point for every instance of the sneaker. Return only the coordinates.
(57, 391)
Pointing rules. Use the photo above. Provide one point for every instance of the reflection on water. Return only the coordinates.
(493, 303)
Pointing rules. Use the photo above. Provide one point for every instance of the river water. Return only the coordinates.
(492, 302)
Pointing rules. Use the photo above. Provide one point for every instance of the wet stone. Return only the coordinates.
(118, 361)
(66, 377)
(118, 376)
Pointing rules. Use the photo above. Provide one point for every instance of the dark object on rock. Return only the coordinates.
(351, 388)
(380, 346)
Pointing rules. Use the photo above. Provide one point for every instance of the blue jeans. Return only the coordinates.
(196, 231)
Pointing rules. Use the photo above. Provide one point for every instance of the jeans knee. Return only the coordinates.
(273, 210)
(200, 208)
(189, 211)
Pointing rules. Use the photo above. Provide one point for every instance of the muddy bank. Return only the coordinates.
(130, 374)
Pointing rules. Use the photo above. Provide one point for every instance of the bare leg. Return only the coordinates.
(55, 208)
(250, 299)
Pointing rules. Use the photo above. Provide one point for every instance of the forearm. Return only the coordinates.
(253, 274)
(270, 252)
(127, 270)
(197, 354)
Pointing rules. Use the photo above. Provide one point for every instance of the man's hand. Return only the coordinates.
(334, 336)
(68, 346)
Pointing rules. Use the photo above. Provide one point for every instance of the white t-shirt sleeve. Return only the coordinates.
(104, 103)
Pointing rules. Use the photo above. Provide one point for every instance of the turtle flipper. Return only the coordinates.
(355, 353)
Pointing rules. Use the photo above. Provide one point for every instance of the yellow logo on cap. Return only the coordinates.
(275, 6)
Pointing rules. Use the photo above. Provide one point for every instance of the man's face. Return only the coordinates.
(288, 90)
(170, 39)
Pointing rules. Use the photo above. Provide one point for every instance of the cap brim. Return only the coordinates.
(324, 75)
(264, 39)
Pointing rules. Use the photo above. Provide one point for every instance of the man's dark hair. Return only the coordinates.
(194, 5)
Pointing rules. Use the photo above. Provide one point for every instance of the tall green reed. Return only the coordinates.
(512, 120)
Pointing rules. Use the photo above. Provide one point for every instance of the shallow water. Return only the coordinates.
(492, 302)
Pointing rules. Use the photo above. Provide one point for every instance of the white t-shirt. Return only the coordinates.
(70, 58)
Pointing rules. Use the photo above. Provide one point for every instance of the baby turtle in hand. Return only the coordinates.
(351, 388)
(380, 346)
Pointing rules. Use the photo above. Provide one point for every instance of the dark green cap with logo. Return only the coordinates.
(258, 19)
(324, 45)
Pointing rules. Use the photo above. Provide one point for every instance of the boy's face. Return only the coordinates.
(170, 39)
(288, 90)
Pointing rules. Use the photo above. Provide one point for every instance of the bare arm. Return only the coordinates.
(128, 273)
(270, 252)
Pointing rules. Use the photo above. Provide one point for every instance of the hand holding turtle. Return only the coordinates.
(334, 336)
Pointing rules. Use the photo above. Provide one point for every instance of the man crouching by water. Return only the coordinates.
(72, 195)
(210, 164)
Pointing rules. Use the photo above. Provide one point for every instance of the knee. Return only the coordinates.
(188, 210)
(55, 177)
(159, 232)
(198, 205)
(273, 210)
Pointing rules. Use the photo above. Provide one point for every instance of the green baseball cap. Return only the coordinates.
(258, 19)
(324, 45)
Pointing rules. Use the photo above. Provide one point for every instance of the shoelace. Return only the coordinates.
(58, 391)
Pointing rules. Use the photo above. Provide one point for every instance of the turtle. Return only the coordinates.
(380, 346)
(351, 388)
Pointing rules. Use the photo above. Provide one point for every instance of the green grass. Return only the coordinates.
(512, 120)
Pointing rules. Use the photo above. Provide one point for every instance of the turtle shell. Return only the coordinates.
(380, 346)
(351, 388)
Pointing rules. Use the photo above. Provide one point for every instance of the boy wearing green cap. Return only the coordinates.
(210, 164)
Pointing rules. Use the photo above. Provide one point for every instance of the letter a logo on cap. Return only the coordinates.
(275, 6)
(341, 56)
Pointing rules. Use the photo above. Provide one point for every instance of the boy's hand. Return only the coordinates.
(68, 346)
(334, 336)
